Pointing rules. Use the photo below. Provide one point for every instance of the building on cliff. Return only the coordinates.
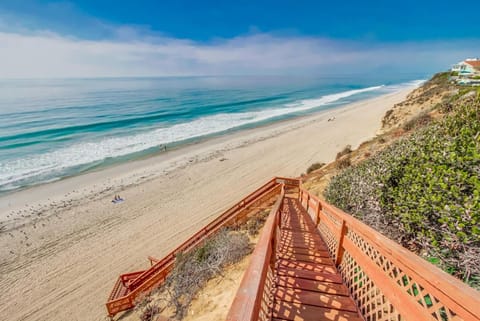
(467, 67)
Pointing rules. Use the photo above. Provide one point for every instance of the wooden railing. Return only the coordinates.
(252, 299)
(387, 281)
(132, 285)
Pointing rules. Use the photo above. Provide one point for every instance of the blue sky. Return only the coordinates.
(161, 38)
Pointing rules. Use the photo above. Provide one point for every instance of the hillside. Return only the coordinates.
(418, 182)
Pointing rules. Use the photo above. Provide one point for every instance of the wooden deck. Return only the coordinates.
(130, 286)
(307, 283)
(315, 262)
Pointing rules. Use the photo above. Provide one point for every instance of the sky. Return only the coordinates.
(95, 38)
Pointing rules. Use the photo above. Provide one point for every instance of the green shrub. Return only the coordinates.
(424, 191)
(419, 120)
(440, 78)
(314, 166)
(444, 107)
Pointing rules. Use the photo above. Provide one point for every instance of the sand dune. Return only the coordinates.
(63, 244)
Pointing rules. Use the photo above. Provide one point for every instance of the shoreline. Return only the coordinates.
(25, 179)
(157, 150)
(108, 171)
(67, 236)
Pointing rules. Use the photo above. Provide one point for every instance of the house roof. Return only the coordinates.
(473, 63)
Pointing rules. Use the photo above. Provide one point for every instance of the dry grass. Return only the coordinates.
(343, 163)
(417, 103)
(314, 167)
(255, 223)
(434, 92)
(345, 151)
(193, 269)
(420, 120)
(150, 312)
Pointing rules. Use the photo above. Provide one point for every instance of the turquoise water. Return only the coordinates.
(52, 129)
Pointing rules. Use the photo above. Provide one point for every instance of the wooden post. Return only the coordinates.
(308, 201)
(273, 244)
(319, 209)
(280, 213)
(340, 249)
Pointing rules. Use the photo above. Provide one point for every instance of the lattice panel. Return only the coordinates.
(333, 218)
(404, 281)
(329, 238)
(372, 303)
(265, 313)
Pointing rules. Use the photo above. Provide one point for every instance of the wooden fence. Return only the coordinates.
(130, 286)
(386, 281)
(253, 297)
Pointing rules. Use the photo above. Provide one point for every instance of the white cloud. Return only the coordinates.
(47, 54)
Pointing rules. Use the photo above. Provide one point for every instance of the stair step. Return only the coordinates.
(307, 283)
(316, 299)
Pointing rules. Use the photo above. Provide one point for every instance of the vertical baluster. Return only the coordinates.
(339, 250)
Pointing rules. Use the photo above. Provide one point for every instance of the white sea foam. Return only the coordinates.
(409, 84)
(49, 164)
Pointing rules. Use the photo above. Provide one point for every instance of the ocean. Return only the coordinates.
(52, 129)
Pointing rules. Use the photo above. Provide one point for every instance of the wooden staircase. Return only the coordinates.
(130, 286)
(307, 285)
(315, 262)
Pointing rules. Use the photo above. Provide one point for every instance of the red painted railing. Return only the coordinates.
(252, 299)
(386, 281)
(130, 286)
(409, 287)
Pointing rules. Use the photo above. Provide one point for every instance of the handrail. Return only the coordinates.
(160, 269)
(415, 288)
(288, 181)
(387, 281)
(193, 241)
(201, 234)
(247, 303)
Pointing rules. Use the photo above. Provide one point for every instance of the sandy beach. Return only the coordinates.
(63, 244)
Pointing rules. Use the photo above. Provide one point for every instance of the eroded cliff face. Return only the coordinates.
(418, 109)
(420, 100)
(418, 181)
